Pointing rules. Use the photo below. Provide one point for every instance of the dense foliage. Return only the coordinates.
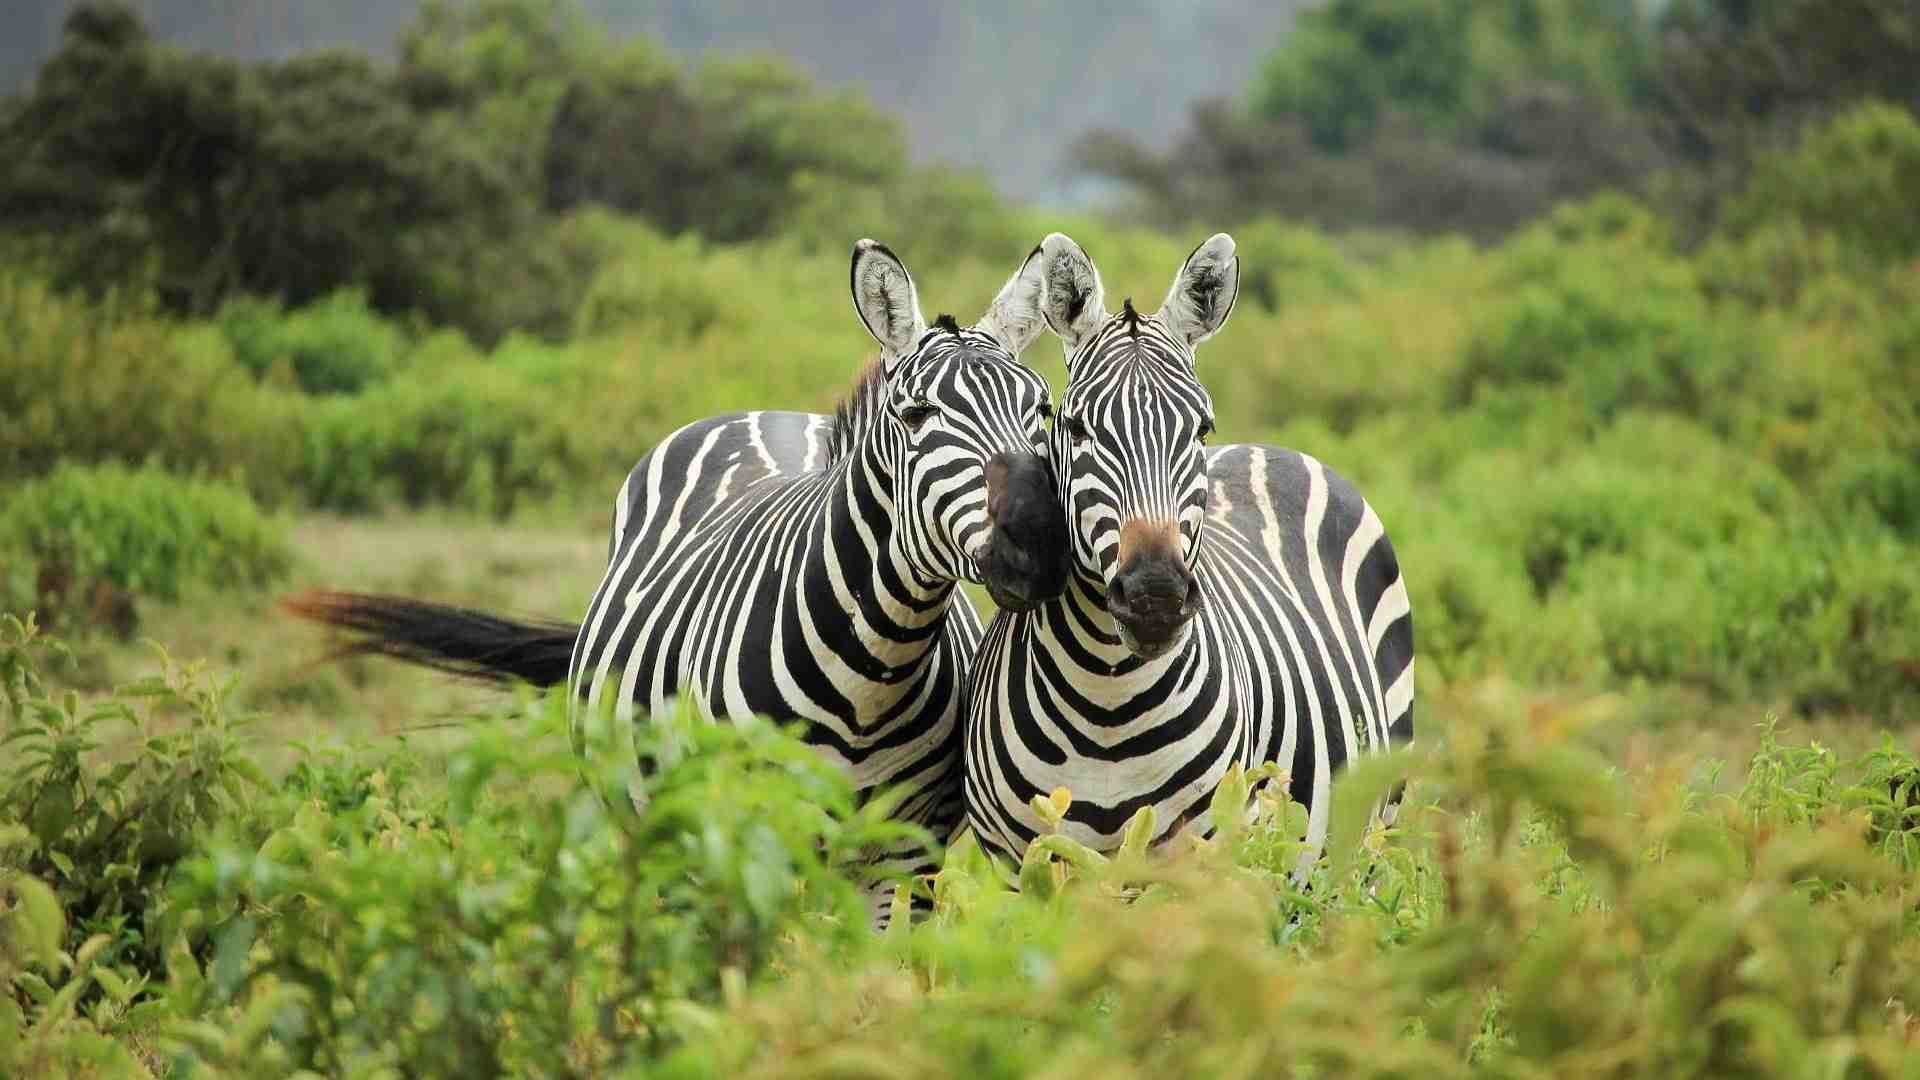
(1459, 115)
(86, 542)
(1536, 911)
(438, 183)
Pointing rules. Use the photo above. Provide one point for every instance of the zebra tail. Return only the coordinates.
(461, 641)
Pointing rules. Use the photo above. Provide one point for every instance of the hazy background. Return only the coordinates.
(1001, 86)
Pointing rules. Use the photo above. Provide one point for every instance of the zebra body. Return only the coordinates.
(804, 567)
(1228, 605)
(744, 579)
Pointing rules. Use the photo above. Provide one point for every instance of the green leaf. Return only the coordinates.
(1228, 808)
(1138, 833)
(113, 983)
(230, 954)
(1036, 873)
(1356, 793)
(39, 989)
(36, 919)
(83, 957)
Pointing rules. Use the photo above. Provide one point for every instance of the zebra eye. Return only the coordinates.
(1076, 428)
(1206, 429)
(1046, 410)
(917, 413)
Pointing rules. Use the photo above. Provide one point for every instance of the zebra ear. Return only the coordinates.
(1014, 318)
(1071, 298)
(1204, 291)
(884, 297)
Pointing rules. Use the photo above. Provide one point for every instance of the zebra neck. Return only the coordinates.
(887, 618)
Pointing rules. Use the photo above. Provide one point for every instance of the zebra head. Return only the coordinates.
(1129, 444)
(964, 430)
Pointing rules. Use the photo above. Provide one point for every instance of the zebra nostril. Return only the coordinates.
(1117, 594)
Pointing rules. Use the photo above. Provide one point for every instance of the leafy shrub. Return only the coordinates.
(1856, 178)
(477, 437)
(665, 283)
(336, 345)
(1535, 908)
(1620, 325)
(475, 929)
(1534, 914)
(139, 532)
(90, 832)
(88, 382)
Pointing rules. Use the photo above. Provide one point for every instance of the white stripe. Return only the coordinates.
(1400, 694)
(1393, 604)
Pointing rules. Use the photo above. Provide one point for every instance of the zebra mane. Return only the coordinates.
(863, 406)
(857, 412)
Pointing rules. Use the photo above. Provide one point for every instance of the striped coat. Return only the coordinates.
(1231, 604)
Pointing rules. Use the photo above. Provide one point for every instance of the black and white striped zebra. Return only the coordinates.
(802, 566)
(1227, 604)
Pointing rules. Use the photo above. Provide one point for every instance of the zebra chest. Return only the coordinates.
(1161, 735)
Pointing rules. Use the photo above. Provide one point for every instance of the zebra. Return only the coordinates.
(804, 567)
(1227, 604)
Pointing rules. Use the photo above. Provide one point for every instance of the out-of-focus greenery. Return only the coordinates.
(1476, 117)
(1604, 456)
(1535, 911)
(439, 183)
(86, 542)
(1630, 447)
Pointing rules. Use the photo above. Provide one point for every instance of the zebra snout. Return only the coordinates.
(1153, 598)
(1023, 561)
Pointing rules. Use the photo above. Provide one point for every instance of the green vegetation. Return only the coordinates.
(1536, 910)
(87, 541)
(1651, 462)
(1477, 116)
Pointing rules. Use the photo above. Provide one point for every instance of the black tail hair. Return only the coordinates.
(460, 641)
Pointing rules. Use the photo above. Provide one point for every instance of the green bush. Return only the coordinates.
(1617, 324)
(477, 931)
(1536, 908)
(477, 437)
(90, 834)
(336, 345)
(138, 533)
(85, 382)
(1537, 915)
(664, 283)
(1855, 178)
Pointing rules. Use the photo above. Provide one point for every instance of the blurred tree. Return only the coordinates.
(1734, 75)
(497, 69)
(202, 177)
(723, 153)
(1447, 65)
(1457, 115)
(1349, 62)
(436, 182)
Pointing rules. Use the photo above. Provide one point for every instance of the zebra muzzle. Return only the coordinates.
(1023, 562)
(1153, 598)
